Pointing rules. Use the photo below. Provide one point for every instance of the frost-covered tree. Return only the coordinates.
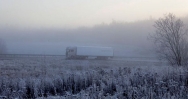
(170, 40)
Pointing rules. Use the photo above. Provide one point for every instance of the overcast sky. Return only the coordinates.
(77, 13)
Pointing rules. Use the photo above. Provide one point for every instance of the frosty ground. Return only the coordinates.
(119, 78)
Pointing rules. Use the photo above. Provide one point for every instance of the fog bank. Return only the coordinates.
(127, 39)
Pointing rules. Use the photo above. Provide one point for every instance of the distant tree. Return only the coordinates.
(170, 40)
(2, 47)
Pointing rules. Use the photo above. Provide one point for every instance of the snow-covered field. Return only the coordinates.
(56, 78)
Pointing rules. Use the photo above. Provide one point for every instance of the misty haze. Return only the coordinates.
(127, 39)
(104, 49)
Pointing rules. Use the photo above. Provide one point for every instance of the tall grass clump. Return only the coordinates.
(99, 83)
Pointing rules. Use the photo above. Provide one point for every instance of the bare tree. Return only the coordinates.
(170, 40)
(2, 47)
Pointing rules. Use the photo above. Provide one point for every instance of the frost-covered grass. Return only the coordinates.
(55, 78)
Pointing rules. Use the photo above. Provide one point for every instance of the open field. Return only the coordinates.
(33, 66)
(122, 78)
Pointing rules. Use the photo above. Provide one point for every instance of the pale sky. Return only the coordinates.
(77, 13)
